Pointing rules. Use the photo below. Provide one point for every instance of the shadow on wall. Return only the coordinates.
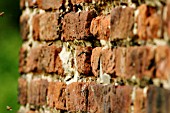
(10, 42)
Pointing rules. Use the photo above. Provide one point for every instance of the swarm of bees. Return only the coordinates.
(1, 13)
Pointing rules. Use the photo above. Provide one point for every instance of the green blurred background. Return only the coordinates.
(10, 42)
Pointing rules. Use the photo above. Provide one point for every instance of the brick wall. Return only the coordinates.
(94, 56)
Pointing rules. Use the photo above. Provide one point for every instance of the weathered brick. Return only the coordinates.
(120, 101)
(77, 25)
(76, 96)
(24, 27)
(43, 92)
(57, 95)
(120, 67)
(158, 100)
(122, 20)
(83, 57)
(95, 98)
(108, 57)
(95, 60)
(46, 26)
(162, 62)
(140, 62)
(37, 92)
(50, 4)
(22, 60)
(109, 99)
(32, 59)
(47, 58)
(22, 90)
(33, 92)
(100, 27)
(44, 58)
(139, 101)
(149, 22)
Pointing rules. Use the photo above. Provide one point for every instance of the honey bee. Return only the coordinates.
(9, 108)
(1, 13)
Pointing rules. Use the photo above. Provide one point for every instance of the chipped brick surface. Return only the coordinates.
(100, 27)
(83, 56)
(95, 60)
(76, 96)
(108, 61)
(22, 88)
(122, 21)
(57, 95)
(77, 25)
(46, 26)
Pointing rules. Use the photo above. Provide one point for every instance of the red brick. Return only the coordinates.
(139, 101)
(37, 92)
(140, 62)
(43, 92)
(22, 4)
(47, 58)
(162, 62)
(50, 4)
(120, 67)
(77, 25)
(22, 89)
(109, 99)
(108, 57)
(76, 96)
(100, 27)
(149, 22)
(158, 100)
(24, 27)
(120, 101)
(46, 26)
(57, 95)
(22, 60)
(33, 92)
(95, 60)
(32, 59)
(95, 98)
(83, 56)
(44, 58)
(122, 21)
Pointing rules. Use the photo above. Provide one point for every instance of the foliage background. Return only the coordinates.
(10, 41)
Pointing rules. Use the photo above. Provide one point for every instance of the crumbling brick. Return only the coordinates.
(100, 27)
(95, 60)
(83, 57)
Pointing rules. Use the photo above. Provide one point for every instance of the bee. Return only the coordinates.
(1, 13)
(9, 108)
